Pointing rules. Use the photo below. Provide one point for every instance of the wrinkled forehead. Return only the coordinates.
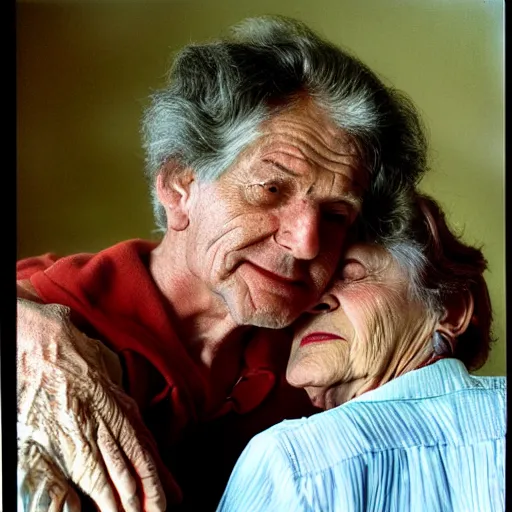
(316, 138)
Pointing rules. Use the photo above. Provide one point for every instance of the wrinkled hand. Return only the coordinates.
(42, 486)
(75, 424)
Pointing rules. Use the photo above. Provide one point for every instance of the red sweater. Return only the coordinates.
(113, 298)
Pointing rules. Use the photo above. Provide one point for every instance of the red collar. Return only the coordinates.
(113, 292)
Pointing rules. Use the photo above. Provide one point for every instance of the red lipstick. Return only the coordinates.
(319, 337)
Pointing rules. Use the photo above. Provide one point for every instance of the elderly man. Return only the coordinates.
(261, 152)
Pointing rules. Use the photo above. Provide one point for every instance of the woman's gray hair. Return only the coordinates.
(439, 266)
(218, 94)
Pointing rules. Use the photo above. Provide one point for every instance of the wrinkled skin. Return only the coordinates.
(75, 424)
(253, 248)
(266, 236)
(43, 486)
(384, 332)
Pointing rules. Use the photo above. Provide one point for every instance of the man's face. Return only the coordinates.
(266, 236)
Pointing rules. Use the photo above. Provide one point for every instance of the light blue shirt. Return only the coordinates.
(430, 440)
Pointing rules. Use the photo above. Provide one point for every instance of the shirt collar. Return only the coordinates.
(444, 376)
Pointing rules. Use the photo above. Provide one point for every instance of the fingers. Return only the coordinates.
(154, 477)
(72, 502)
(89, 427)
(94, 482)
(118, 470)
(84, 462)
(171, 488)
(132, 459)
(134, 440)
(152, 492)
(66, 502)
(74, 405)
(42, 487)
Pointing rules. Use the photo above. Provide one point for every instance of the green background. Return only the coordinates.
(84, 71)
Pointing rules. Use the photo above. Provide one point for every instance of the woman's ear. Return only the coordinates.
(458, 313)
(173, 191)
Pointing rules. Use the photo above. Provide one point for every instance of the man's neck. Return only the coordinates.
(202, 319)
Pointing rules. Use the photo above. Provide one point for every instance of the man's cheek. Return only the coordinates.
(335, 244)
(323, 268)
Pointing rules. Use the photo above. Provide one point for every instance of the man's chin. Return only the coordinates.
(269, 317)
(251, 304)
(270, 322)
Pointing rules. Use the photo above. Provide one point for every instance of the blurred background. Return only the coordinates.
(85, 69)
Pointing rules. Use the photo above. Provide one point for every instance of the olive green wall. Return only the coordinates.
(85, 69)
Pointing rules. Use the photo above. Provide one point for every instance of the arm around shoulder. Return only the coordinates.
(74, 418)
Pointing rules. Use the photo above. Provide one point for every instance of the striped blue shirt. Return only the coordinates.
(432, 439)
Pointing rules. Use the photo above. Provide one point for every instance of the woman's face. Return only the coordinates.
(366, 329)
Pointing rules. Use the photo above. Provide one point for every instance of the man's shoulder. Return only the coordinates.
(83, 265)
(46, 260)
(26, 267)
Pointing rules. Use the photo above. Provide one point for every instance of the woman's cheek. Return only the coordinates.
(366, 309)
(360, 307)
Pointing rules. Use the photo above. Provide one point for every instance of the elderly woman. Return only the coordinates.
(388, 352)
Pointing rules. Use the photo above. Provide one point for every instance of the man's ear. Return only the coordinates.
(173, 190)
(458, 313)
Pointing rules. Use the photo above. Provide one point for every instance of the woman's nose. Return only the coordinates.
(327, 303)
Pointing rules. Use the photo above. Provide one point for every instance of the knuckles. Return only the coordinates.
(67, 393)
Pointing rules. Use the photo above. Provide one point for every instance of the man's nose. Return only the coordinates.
(299, 230)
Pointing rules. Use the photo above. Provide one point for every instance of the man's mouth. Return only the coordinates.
(288, 280)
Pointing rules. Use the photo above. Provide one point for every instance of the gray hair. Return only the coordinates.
(218, 94)
(439, 265)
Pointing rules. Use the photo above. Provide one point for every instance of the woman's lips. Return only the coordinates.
(319, 337)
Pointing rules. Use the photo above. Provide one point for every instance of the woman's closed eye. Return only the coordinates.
(353, 270)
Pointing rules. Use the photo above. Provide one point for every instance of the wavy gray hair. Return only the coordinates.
(218, 94)
(439, 266)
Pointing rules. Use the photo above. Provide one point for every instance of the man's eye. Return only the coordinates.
(338, 217)
(353, 271)
(272, 188)
(266, 193)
